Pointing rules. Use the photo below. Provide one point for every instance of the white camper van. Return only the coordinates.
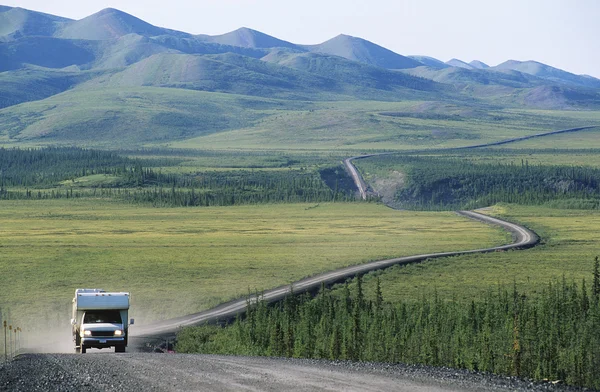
(100, 320)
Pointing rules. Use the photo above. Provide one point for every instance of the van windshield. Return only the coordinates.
(102, 316)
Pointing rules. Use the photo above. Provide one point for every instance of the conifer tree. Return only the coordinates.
(596, 284)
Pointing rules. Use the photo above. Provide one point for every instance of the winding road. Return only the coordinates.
(523, 238)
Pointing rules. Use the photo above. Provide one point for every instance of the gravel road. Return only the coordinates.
(179, 372)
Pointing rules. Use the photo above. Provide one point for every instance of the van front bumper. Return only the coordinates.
(102, 342)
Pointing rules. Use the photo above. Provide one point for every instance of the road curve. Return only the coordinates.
(363, 188)
(522, 238)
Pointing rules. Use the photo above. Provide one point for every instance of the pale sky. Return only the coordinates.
(561, 33)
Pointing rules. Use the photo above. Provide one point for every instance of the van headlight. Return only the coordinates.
(87, 333)
(118, 332)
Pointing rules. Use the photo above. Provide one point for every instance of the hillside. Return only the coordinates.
(128, 117)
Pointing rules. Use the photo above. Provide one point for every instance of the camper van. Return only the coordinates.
(100, 320)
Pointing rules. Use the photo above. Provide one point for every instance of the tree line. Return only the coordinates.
(37, 174)
(440, 183)
(554, 335)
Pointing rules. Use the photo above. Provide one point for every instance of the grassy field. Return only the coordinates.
(569, 245)
(182, 260)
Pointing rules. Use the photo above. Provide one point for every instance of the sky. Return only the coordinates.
(561, 33)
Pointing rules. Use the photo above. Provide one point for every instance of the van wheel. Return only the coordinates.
(83, 349)
(119, 349)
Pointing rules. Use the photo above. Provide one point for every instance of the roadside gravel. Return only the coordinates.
(178, 372)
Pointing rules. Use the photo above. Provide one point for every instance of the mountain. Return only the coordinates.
(460, 64)
(430, 62)
(111, 24)
(248, 38)
(479, 64)
(549, 73)
(363, 51)
(19, 22)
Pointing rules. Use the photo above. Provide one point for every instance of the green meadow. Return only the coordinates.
(177, 261)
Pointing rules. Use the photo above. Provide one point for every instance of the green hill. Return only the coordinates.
(363, 51)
